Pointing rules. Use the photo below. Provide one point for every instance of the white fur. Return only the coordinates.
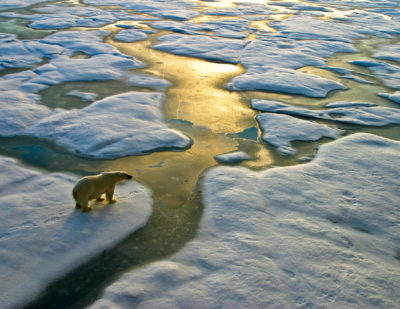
(93, 187)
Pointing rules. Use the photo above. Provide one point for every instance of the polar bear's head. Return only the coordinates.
(117, 176)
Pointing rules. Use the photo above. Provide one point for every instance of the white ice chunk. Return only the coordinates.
(225, 50)
(388, 73)
(285, 81)
(88, 42)
(365, 114)
(280, 130)
(311, 28)
(178, 10)
(18, 110)
(15, 53)
(232, 157)
(317, 235)
(99, 67)
(131, 35)
(86, 96)
(126, 124)
(395, 97)
(147, 81)
(42, 235)
(388, 52)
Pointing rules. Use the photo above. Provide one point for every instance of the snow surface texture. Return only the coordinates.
(42, 235)
(395, 97)
(125, 124)
(281, 130)
(318, 235)
(359, 113)
(232, 157)
(101, 130)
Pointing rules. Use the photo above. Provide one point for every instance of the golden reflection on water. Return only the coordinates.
(198, 93)
(198, 105)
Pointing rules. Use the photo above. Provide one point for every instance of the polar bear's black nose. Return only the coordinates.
(128, 176)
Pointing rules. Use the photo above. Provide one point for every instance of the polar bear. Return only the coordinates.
(92, 187)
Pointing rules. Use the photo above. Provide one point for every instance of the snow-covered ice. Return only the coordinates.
(365, 114)
(177, 10)
(395, 97)
(42, 235)
(85, 96)
(132, 35)
(280, 130)
(318, 235)
(130, 123)
(232, 157)
(388, 52)
(388, 73)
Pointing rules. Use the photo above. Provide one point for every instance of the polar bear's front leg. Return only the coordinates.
(109, 195)
(85, 206)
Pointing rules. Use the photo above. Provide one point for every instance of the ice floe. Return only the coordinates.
(284, 80)
(16, 53)
(42, 236)
(388, 52)
(224, 50)
(178, 10)
(358, 113)
(232, 157)
(85, 96)
(132, 35)
(395, 97)
(280, 130)
(320, 234)
(388, 73)
(130, 123)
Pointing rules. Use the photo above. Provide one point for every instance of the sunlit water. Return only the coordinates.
(198, 105)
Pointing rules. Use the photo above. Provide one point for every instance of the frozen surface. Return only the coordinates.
(284, 80)
(178, 10)
(395, 97)
(280, 130)
(388, 73)
(42, 236)
(317, 235)
(126, 124)
(365, 114)
(131, 35)
(232, 157)
(85, 96)
(388, 52)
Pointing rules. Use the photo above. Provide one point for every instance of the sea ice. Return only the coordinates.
(365, 114)
(178, 10)
(388, 73)
(15, 53)
(130, 123)
(132, 35)
(284, 80)
(225, 50)
(318, 235)
(42, 236)
(85, 96)
(280, 130)
(395, 97)
(232, 157)
(388, 52)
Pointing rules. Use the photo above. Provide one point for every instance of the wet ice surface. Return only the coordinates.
(343, 204)
(42, 236)
(301, 238)
(281, 130)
